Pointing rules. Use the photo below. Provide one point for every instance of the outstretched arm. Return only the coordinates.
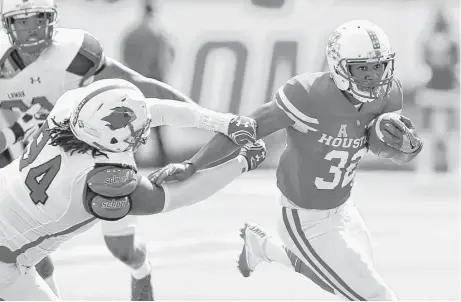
(137, 195)
(185, 113)
(269, 118)
(148, 198)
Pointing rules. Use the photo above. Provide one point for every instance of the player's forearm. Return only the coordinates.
(202, 185)
(179, 114)
(217, 148)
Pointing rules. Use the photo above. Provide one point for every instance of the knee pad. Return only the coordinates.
(45, 268)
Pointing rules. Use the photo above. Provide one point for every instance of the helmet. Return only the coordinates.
(111, 115)
(360, 42)
(45, 12)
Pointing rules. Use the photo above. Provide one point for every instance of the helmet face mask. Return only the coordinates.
(364, 86)
(29, 25)
(361, 60)
(138, 137)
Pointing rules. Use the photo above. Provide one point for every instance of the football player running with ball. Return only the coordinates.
(326, 116)
(79, 169)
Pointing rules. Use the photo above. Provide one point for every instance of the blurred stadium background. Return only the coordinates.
(232, 55)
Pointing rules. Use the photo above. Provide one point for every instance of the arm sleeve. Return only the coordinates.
(180, 114)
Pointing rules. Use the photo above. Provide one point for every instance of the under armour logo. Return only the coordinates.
(36, 80)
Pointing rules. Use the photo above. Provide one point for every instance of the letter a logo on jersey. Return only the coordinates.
(342, 131)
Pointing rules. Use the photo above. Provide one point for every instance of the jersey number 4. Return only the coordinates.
(39, 178)
(340, 172)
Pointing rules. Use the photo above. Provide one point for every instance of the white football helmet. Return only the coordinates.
(13, 10)
(359, 42)
(111, 115)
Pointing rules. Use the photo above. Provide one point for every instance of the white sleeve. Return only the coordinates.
(180, 114)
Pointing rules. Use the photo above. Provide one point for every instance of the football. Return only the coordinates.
(384, 129)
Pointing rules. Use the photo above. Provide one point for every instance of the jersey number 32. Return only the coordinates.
(39, 178)
(340, 171)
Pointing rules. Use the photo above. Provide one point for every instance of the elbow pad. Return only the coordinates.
(108, 190)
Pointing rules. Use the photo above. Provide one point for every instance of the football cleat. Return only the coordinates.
(252, 252)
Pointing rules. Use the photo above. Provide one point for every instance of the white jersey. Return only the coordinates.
(70, 61)
(41, 204)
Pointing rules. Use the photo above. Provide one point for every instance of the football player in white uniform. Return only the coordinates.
(38, 63)
(79, 168)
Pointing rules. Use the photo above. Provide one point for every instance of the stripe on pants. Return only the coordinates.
(318, 266)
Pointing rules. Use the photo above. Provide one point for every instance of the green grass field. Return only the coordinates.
(414, 224)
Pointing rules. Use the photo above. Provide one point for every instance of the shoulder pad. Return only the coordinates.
(293, 98)
(394, 102)
(112, 181)
(108, 208)
(89, 58)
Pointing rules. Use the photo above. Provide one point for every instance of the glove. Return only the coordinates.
(242, 130)
(254, 154)
(414, 142)
(404, 126)
(170, 172)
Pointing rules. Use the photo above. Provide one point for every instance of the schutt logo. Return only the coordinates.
(115, 204)
(116, 179)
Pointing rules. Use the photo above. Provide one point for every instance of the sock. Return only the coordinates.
(144, 270)
(276, 251)
(202, 184)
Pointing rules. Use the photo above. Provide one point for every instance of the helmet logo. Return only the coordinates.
(120, 117)
(333, 45)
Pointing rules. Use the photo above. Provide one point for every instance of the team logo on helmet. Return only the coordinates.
(333, 46)
(120, 117)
